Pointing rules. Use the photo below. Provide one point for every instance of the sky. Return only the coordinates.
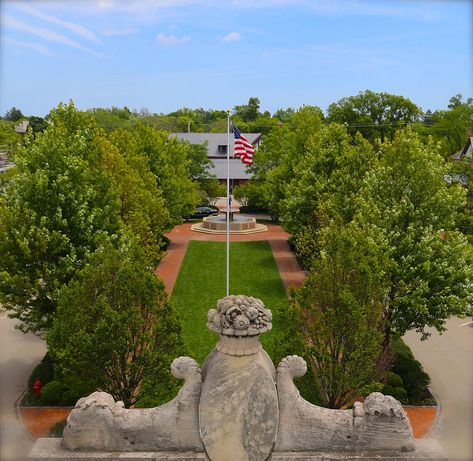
(163, 55)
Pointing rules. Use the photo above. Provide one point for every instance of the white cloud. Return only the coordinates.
(171, 39)
(76, 28)
(45, 34)
(105, 4)
(34, 46)
(231, 37)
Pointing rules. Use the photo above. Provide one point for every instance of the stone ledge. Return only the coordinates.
(51, 450)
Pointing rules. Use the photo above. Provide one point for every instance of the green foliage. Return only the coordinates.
(168, 159)
(248, 112)
(375, 386)
(394, 379)
(414, 209)
(291, 341)
(13, 115)
(199, 170)
(141, 203)
(52, 214)
(374, 115)
(52, 393)
(415, 379)
(111, 119)
(283, 148)
(324, 185)
(38, 124)
(9, 138)
(341, 304)
(450, 127)
(114, 329)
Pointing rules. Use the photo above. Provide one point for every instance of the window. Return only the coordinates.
(222, 149)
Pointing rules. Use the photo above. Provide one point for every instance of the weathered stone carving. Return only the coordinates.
(100, 423)
(380, 423)
(239, 404)
(239, 315)
(236, 408)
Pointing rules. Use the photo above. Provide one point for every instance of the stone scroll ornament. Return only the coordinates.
(237, 408)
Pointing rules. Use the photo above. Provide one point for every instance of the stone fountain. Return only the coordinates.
(238, 407)
(239, 224)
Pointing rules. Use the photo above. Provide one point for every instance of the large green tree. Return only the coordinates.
(115, 329)
(141, 203)
(341, 305)
(374, 115)
(283, 148)
(59, 202)
(168, 160)
(430, 269)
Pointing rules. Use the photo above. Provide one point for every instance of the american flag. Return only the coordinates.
(242, 147)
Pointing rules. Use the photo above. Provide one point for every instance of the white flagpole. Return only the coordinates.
(228, 204)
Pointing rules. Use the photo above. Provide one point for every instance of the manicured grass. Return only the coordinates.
(201, 282)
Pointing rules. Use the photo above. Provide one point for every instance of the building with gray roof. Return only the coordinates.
(217, 152)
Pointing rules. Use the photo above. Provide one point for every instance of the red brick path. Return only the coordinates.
(289, 269)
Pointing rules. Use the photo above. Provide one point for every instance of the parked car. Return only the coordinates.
(202, 212)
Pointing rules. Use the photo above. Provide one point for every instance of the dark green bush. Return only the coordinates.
(415, 379)
(394, 379)
(52, 393)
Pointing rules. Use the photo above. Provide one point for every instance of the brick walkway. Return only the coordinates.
(289, 269)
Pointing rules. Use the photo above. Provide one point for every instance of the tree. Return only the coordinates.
(13, 115)
(283, 148)
(141, 204)
(324, 186)
(199, 169)
(248, 112)
(374, 115)
(430, 268)
(38, 124)
(451, 127)
(168, 160)
(9, 138)
(59, 203)
(114, 327)
(341, 305)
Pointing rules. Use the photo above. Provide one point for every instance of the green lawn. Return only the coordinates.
(201, 282)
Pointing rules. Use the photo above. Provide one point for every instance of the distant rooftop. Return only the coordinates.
(217, 151)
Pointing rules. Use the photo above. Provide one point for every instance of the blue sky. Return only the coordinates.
(167, 54)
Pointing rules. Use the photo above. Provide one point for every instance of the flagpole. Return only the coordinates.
(228, 204)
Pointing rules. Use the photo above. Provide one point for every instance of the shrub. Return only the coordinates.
(415, 379)
(52, 393)
(394, 379)
(375, 386)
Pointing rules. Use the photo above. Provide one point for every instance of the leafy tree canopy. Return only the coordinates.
(374, 115)
(59, 203)
(13, 115)
(114, 328)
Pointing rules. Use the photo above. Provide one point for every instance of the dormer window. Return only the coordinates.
(222, 149)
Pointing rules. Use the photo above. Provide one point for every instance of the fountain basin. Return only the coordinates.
(238, 225)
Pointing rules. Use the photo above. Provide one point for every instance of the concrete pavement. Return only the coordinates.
(19, 354)
(448, 359)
